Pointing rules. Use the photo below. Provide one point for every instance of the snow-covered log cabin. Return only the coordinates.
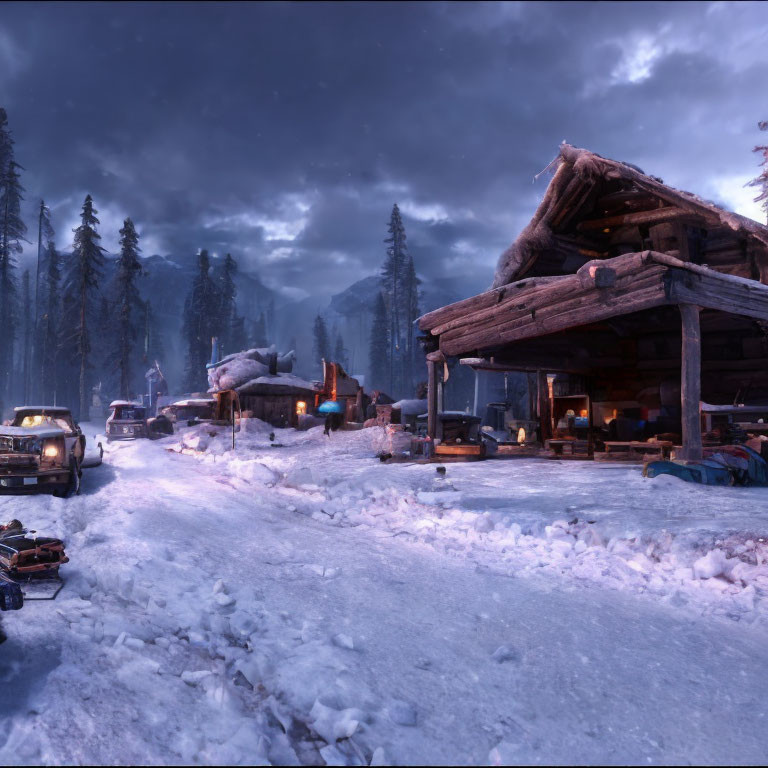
(640, 289)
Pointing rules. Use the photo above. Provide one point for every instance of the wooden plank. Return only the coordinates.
(690, 381)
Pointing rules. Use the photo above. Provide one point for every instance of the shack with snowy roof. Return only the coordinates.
(265, 384)
(640, 295)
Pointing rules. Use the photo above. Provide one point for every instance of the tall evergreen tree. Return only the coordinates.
(49, 329)
(201, 312)
(392, 282)
(81, 296)
(761, 181)
(340, 352)
(378, 369)
(27, 338)
(44, 243)
(232, 326)
(12, 231)
(129, 306)
(322, 344)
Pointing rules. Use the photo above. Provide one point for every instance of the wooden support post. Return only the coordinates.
(545, 412)
(690, 389)
(590, 422)
(477, 392)
(432, 386)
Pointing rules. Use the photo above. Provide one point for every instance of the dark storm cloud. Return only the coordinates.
(284, 133)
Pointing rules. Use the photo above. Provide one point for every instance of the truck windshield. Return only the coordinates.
(129, 413)
(60, 420)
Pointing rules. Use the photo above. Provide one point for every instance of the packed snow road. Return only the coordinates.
(302, 603)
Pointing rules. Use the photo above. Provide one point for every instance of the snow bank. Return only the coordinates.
(599, 524)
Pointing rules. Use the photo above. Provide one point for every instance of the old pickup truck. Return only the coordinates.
(41, 450)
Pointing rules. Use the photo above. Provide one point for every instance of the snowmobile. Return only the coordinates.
(720, 465)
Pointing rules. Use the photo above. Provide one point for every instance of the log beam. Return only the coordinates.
(654, 216)
(690, 381)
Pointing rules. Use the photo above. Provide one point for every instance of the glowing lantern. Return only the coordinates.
(301, 408)
(583, 413)
(521, 435)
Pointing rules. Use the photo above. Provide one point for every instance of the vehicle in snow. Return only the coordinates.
(23, 554)
(127, 421)
(42, 449)
(190, 409)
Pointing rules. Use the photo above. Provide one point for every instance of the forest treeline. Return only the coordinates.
(74, 324)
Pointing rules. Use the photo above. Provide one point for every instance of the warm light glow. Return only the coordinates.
(51, 451)
(521, 435)
(301, 408)
(583, 413)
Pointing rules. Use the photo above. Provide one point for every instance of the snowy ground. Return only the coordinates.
(303, 603)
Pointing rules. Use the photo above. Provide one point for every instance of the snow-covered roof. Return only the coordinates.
(286, 383)
(133, 403)
(46, 408)
(195, 401)
(39, 431)
(578, 171)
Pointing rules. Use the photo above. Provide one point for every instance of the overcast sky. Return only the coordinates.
(284, 133)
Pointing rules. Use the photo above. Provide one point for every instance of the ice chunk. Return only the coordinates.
(332, 724)
(714, 563)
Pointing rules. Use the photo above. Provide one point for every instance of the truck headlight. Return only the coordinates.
(51, 451)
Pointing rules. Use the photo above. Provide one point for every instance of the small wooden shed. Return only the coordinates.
(627, 282)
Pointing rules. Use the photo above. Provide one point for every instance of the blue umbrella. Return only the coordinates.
(330, 406)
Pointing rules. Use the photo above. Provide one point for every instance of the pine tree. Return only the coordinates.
(27, 343)
(392, 282)
(340, 352)
(12, 231)
(50, 331)
(201, 313)
(232, 326)
(128, 307)
(761, 181)
(44, 241)
(379, 347)
(322, 344)
(81, 294)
